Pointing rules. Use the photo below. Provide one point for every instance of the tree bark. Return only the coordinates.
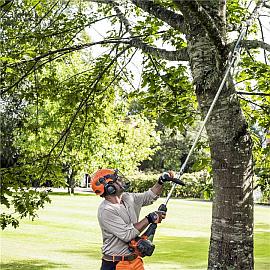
(231, 243)
(71, 181)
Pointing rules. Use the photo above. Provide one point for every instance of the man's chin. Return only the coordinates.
(119, 192)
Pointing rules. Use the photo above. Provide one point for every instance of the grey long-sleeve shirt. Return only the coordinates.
(116, 221)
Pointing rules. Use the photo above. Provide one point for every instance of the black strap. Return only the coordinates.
(130, 257)
(114, 176)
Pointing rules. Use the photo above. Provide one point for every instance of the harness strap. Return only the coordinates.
(118, 258)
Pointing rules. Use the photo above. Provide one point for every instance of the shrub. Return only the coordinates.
(263, 183)
(198, 185)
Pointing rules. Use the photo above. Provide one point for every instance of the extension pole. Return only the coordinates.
(231, 61)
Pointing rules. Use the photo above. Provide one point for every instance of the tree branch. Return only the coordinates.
(172, 18)
(262, 34)
(122, 17)
(177, 55)
(253, 94)
(180, 55)
(253, 44)
(38, 34)
(264, 108)
(207, 22)
(67, 50)
(267, 6)
(158, 11)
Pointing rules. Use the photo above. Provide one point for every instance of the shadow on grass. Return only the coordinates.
(31, 264)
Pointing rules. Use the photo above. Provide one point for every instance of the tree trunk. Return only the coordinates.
(231, 244)
(71, 181)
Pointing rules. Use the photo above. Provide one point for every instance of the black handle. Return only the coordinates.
(167, 176)
(162, 207)
(150, 230)
(178, 181)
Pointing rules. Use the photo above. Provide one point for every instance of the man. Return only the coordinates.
(118, 218)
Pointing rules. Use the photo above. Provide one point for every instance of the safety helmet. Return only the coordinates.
(102, 181)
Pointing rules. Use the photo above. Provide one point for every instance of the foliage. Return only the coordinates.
(254, 79)
(34, 29)
(71, 118)
(173, 149)
(25, 203)
(169, 96)
(11, 115)
(169, 99)
(262, 172)
(52, 145)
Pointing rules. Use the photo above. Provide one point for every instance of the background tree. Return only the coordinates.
(64, 118)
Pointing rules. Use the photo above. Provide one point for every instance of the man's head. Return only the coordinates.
(108, 182)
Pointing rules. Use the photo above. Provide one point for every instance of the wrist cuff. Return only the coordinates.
(149, 219)
(160, 181)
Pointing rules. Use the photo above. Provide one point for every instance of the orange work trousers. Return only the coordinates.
(136, 264)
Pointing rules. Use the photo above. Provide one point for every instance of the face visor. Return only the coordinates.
(121, 180)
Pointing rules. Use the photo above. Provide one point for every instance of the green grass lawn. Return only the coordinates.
(67, 236)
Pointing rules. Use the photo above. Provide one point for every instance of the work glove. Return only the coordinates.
(165, 177)
(156, 217)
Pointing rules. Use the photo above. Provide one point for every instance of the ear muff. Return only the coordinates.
(109, 188)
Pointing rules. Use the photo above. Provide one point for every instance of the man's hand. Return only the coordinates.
(165, 177)
(156, 217)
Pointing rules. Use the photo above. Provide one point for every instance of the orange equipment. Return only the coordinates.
(136, 264)
(102, 181)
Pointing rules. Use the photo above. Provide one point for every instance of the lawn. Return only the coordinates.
(67, 236)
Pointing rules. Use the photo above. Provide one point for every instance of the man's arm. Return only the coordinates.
(147, 198)
(157, 189)
(154, 217)
(111, 222)
(141, 225)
